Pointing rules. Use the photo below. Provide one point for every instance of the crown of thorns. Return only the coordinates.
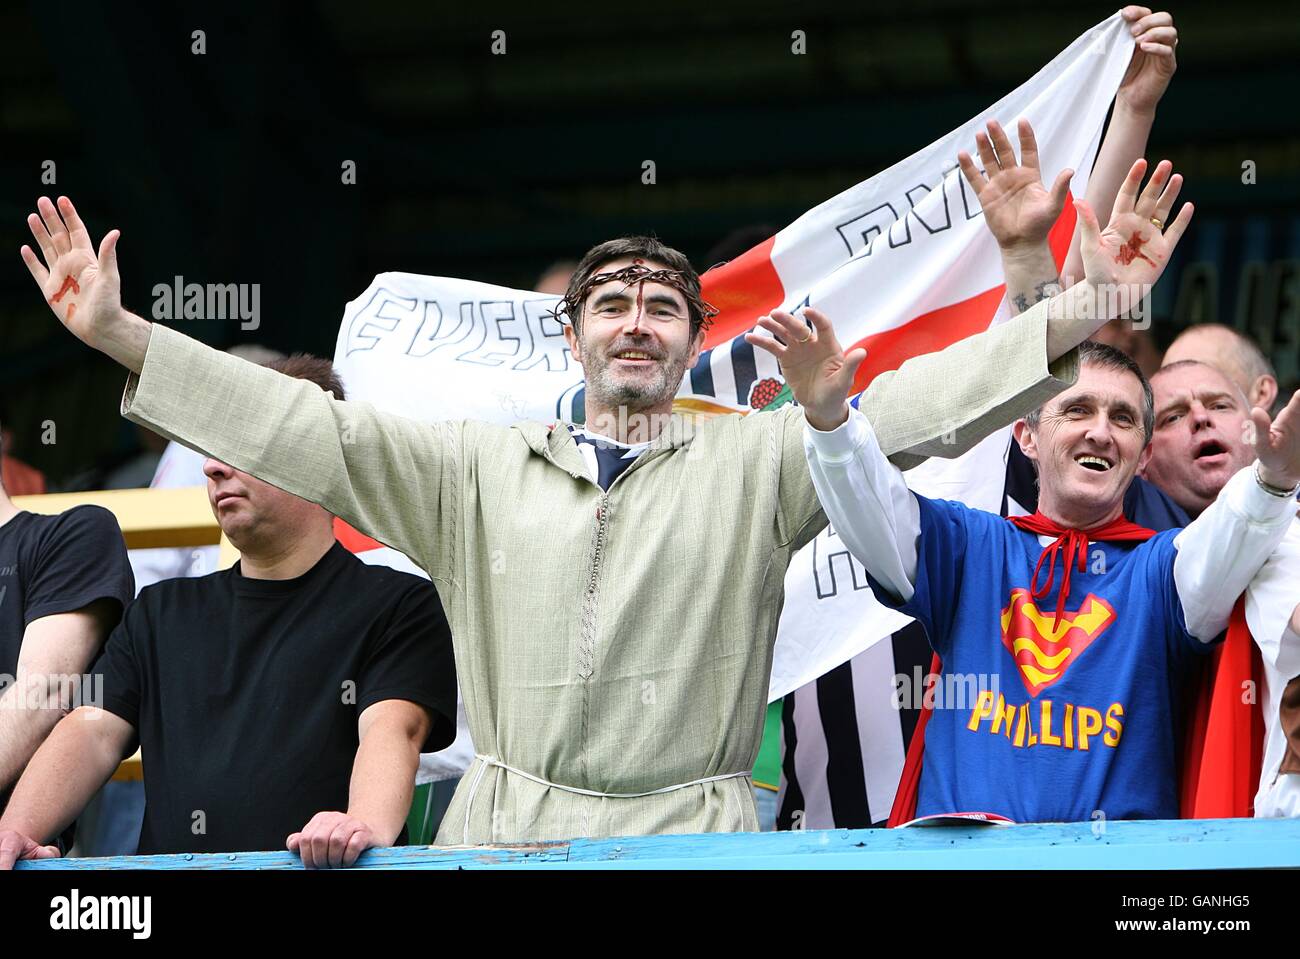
(571, 304)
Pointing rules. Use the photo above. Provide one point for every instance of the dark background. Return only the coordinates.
(226, 167)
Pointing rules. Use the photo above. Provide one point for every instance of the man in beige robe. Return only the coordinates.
(613, 645)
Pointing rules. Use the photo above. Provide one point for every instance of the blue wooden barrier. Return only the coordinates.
(1177, 844)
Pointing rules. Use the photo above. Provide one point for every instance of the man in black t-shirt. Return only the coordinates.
(64, 581)
(283, 701)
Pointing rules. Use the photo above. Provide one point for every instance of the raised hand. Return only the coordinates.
(81, 286)
(1153, 63)
(1277, 444)
(818, 373)
(1018, 210)
(1127, 258)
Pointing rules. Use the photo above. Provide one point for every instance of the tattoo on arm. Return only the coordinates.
(1042, 291)
(1047, 289)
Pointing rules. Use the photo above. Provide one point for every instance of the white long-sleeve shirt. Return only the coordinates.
(1271, 601)
(876, 515)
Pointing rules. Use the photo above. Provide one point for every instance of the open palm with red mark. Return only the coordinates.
(82, 288)
(1134, 249)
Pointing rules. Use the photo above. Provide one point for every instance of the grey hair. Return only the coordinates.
(1107, 357)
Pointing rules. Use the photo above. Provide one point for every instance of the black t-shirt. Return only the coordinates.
(58, 564)
(245, 693)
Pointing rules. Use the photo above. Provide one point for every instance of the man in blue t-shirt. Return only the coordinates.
(1064, 635)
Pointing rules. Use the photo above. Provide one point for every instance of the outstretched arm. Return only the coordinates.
(867, 502)
(1150, 70)
(1223, 549)
(383, 474)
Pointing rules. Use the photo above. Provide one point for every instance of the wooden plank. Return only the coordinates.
(1175, 844)
(1178, 844)
(148, 517)
(396, 857)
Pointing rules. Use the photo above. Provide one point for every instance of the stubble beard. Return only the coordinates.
(613, 393)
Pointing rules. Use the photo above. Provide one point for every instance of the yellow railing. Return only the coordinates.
(149, 518)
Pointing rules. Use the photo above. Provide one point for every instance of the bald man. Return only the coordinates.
(1234, 353)
(1202, 438)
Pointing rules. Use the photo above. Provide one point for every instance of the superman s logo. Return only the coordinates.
(1042, 652)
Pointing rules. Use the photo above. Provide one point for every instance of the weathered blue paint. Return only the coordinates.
(1178, 844)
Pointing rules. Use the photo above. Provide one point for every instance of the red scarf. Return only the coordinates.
(1223, 744)
(1072, 546)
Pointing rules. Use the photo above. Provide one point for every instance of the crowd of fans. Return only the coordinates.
(286, 700)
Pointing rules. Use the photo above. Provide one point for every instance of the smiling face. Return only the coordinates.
(257, 516)
(1200, 435)
(1087, 444)
(634, 342)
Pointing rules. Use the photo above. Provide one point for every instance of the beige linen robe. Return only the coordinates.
(609, 642)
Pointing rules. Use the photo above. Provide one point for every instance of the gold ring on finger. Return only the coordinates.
(1159, 224)
(806, 338)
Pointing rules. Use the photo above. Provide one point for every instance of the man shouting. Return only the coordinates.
(1204, 427)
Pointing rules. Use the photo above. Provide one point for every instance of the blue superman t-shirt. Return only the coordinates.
(1044, 723)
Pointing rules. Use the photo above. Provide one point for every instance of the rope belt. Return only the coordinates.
(493, 761)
